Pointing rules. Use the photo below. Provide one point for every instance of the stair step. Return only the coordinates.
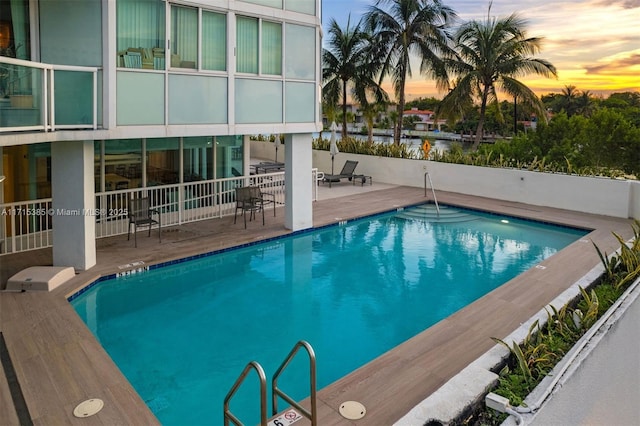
(428, 212)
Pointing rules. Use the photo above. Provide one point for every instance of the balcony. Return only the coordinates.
(44, 97)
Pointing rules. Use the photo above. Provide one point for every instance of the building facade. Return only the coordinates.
(111, 95)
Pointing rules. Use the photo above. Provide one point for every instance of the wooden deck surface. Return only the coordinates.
(59, 364)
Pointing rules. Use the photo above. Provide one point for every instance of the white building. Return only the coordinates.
(427, 119)
(121, 96)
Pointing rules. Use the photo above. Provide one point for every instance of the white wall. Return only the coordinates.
(610, 197)
(267, 151)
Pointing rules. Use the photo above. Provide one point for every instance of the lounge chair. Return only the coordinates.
(347, 172)
(141, 214)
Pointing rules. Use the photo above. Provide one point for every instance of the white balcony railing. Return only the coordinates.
(44, 97)
(27, 225)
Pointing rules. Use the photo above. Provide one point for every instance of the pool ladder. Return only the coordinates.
(275, 390)
(427, 176)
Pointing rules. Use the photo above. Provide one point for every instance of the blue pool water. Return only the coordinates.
(182, 334)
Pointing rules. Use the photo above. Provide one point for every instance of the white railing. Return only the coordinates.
(317, 177)
(27, 225)
(28, 96)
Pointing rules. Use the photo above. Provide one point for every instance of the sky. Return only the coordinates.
(594, 44)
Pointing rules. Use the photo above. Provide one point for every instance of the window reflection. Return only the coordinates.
(163, 161)
(198, 158)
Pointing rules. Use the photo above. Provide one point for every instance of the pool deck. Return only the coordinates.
(58, 363)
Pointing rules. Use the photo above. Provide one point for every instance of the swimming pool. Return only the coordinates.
(181, 334)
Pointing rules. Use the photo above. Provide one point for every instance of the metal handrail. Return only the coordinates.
(228, 415)
(435, 200)
(311, 415)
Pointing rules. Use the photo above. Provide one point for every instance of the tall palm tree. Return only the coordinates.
(403, 28)
(491, 54)
(569, 99)
(586, 104)
(343, 61)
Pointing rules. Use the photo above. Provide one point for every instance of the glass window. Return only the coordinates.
(28, 171)
(163, 161)
(247, 45)
(252, 33)
(140, 29)
(300, 102)
(228, 156)
(270, 3)
(300, 57)
(251, 97)
(140, 98)
(271, 48)
(184, 37)
(302, 6)
(15, 38)
(191, 99)
(198, 158)
(214, 41)
(122, 164)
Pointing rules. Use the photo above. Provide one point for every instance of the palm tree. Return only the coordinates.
(343, 61)
(403, 28)
(569, 100)
(586, 104)
(490, 55)
(369, 112)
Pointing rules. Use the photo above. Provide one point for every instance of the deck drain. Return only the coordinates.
(88, 408)
(352, 410)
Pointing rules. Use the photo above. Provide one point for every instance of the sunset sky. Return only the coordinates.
(594, 44)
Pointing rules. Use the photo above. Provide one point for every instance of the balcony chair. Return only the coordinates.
(141, 214)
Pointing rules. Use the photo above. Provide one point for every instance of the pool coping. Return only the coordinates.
(14, 323)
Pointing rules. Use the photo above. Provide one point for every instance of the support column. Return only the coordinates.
(74, 221)
(298, 182)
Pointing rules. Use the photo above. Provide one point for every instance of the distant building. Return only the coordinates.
(427, 120)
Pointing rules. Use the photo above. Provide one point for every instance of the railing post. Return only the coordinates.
(312, 414)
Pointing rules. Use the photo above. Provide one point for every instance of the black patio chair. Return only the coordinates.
(249, 199)
(347, 172)
(141, 214)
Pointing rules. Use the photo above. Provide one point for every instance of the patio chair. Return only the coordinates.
(250, 199)
(141, 214)
(347, 172)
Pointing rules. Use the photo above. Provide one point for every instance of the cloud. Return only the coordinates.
(623, 64)
(625, 4)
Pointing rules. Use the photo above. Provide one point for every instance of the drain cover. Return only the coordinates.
(352, 410)
(88, 408)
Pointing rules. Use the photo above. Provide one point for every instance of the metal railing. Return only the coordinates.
(46, 97)
(28, 225)
(228, 415)
(427, 176)
(311, 414)
(275, 391)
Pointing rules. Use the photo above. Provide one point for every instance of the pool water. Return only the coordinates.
(182, 334)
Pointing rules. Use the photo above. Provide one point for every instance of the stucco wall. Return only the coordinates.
(610, 197)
